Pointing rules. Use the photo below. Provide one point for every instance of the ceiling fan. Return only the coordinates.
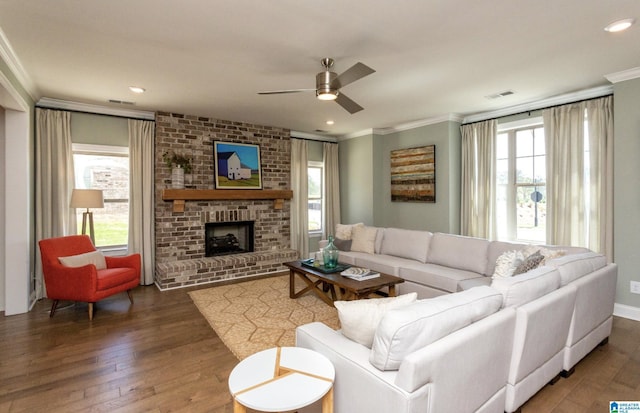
(328, 84)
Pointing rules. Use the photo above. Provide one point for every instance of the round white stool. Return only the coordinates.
(282, 379)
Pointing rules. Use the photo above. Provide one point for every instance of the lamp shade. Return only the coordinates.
(87, 198)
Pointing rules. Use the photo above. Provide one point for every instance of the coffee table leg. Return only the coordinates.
(392, 291)
(292, 292)
(238, 408)
(327, 402)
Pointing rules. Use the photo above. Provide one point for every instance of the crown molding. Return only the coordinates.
(11, 59)
(541, 104)
(452, 117)
(629, 74)
(97, 109)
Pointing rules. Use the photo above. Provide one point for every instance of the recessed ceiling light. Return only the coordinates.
(619, 25)
(137, 89)
(330, 122)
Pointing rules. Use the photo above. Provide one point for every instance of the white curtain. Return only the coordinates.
(478, 180)
(579, 153)
(54, 181)
(332, 187)
(141, 205)
(299, 203)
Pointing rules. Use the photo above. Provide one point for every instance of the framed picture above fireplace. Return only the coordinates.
(237, 166)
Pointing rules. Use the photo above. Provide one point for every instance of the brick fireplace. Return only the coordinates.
(180, 236)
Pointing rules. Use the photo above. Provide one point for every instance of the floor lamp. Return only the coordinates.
(87, 198)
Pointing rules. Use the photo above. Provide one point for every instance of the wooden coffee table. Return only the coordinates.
(333, 286)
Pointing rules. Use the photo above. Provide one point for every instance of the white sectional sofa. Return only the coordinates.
(549, 318)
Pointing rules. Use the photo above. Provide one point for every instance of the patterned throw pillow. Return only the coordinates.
(507, 263)
(531, 262)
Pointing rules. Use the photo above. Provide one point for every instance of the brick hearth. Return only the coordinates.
(180, 251)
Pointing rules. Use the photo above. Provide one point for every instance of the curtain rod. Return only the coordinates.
(542, 108)
(86, 112)
(313, 140)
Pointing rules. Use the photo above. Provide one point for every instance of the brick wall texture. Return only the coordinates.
(180, 253)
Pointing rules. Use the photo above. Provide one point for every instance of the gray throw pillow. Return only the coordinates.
(342, 244)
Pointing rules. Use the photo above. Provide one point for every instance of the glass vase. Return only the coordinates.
(330, 255)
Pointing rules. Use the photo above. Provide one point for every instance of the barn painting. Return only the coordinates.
(413, 174)
(237, 166)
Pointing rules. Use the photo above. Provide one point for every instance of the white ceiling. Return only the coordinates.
(433, 58)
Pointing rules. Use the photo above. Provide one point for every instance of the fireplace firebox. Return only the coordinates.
(224, 238)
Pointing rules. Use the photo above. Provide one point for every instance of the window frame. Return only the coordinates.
(511, 129)
(105, 150)
(317, 165)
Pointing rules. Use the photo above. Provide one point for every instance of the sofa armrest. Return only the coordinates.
(458, 360)
(356, 378)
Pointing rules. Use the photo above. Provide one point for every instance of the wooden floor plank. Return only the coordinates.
(160, 355)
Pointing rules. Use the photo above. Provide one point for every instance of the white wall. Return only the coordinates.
(3, 197)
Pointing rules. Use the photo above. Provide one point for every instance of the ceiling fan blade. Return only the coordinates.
(355, 72)
(348, 104)
(278, 92)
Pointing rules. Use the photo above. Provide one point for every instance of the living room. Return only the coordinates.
(364, 147)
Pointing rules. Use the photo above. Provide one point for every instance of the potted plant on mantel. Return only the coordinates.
(181, 168)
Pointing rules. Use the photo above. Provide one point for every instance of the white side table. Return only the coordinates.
(282, 379)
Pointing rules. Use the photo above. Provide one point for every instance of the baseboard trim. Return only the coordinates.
(626, 311)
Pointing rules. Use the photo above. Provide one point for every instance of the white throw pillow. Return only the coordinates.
(363, 239)
(360, 318)
(405, 330)
(344, 231)
(507, 263)
(94, 257)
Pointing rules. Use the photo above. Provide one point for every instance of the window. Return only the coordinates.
(107, 168)
(315, 175)
(521, 176)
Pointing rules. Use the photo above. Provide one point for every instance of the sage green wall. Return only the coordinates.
(365, 184)
(626, 194)
(357, 180)
(99, 129)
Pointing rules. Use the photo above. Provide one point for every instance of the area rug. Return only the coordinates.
(256, 315)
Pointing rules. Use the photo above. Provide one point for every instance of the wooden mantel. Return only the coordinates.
(179, 196)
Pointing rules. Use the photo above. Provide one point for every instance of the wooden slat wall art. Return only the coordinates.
(413, 174)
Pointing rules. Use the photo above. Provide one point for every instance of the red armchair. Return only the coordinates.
(85, 283)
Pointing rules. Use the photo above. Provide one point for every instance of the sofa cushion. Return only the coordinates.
(523, 288)
(363, 239)
(386, 264)
(436, 276)
(572, 267)
(359, 319)
(344, 231)
(406, 243)
(456, 251)
(94, 257)
(404, 330)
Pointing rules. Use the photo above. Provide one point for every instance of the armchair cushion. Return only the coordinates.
(94, 257)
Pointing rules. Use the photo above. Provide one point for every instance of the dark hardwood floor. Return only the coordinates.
(160, 355)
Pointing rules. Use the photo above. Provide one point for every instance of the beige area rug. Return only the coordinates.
(256, 315)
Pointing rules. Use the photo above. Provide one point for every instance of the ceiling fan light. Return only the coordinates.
(327, 94)
(619, 25)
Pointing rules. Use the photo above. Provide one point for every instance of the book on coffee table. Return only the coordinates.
(359, 273)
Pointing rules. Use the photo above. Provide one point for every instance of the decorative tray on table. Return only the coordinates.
(311, 264)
